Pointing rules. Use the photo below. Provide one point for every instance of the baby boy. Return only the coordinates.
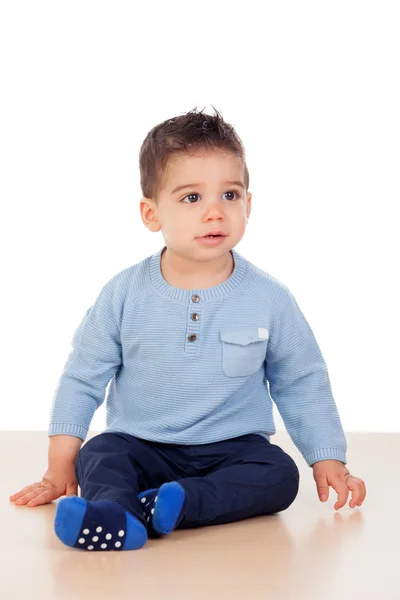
(194, 342)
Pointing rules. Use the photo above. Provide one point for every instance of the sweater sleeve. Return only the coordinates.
(300, 386)
(95, 357)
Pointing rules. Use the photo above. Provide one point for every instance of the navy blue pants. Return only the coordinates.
(224, 481)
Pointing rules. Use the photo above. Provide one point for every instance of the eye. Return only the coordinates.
(195, 194)
(189, 196)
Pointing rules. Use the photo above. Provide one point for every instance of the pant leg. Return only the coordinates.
(117, 466)
(255, 477)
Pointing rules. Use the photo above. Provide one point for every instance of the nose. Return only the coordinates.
(214, 210)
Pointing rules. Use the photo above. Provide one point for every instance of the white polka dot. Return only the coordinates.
(121, 533)
(108, 536)
(148, 518)
(104, 546)
(90, 547)
(155, 499)
(85, 531)
(95, 538)
(81, 540)
(152, 511)
(143, 500)
(99, 529)
(117, 544)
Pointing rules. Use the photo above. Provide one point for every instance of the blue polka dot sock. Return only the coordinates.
(97, 525)
(164, 507)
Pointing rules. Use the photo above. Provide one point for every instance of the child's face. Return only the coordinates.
(211, 202)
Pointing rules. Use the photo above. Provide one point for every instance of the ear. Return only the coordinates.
(148, 212)
(248, 207)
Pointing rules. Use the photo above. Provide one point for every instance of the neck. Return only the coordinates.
(181, 271)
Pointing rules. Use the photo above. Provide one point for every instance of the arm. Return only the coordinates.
(63, 450)
(95, 358)
(300, 386)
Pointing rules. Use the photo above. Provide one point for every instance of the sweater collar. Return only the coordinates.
(207, 294)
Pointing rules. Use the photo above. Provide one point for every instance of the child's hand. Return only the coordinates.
(335, 473)
(53, 485)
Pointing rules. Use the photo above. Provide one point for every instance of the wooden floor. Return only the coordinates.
(309, 551)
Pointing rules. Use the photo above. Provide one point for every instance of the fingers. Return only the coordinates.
(44, 498)
(322, 486)
(342, 483)
(72, 490)
(343, 493)
(32, 498)
(358, 489)
(24, 490)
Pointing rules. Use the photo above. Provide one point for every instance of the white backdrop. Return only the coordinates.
(312, 89)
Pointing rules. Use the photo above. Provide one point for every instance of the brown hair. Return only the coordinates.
(186, 133)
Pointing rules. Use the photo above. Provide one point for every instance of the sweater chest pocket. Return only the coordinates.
(243, 349)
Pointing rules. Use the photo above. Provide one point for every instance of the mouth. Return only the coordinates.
(214, 234)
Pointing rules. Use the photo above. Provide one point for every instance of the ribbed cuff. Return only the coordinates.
(68, 429)
(325, 454)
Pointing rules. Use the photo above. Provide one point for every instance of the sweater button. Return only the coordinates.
(195, 316)
(192, 337)
(195, 298)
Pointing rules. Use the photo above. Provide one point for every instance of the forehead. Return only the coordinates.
(203, 167)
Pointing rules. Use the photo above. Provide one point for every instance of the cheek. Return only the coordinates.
(175, 223)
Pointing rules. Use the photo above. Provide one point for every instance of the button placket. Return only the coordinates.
(192, 337)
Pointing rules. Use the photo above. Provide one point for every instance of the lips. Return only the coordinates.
(215, 233)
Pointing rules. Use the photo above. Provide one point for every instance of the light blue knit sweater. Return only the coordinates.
(194, 366)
